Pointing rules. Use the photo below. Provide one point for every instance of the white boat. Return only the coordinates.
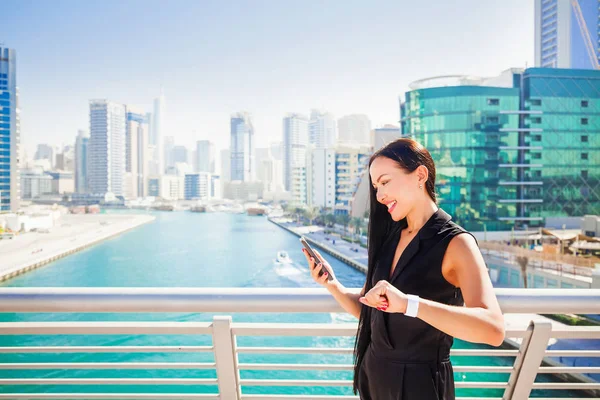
(283, 257)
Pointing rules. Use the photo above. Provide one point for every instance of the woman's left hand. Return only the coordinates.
(385, 297)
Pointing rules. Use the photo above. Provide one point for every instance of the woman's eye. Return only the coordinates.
(384, 183)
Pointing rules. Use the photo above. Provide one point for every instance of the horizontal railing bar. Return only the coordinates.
(115, 365)
(253, 300)
(106, 349)
(349, 350)
(105, 328)
(515, 333)
(333, 397)
(566, 386)
(309, 382)
(569, 370)
(350, 367)
(109, 381)
(484, 353)
(295, 397)
(103, 396)
(296, 367)
(572, 353)
(279, 329)
(575, 332)
(294, 382)
(294, 350)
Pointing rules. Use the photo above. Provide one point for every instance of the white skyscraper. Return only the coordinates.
(567, 33)
(323, 178)
(354, 129)
(382, 136)
(322, 129)
(295, 141)
(157, 166)
(242, 148)
(136, 153)
(106, 168)
(168, 145)
(225, 165)
(81, 161)
(205, 156)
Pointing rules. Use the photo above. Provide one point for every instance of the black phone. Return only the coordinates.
(314, 255)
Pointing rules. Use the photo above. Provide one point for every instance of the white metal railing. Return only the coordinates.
(531, 356)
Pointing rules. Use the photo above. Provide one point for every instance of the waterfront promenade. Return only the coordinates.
(71, 234)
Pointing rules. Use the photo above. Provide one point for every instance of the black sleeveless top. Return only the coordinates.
(405, 342)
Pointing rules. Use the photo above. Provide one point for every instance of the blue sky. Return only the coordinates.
(214, 58)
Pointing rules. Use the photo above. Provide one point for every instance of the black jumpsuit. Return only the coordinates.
(407, 358)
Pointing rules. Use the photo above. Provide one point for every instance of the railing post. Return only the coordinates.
(226, 358)
(528, 361)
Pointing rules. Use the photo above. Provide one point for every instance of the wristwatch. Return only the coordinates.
(412, 306)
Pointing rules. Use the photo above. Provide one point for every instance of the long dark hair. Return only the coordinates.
(409, 154)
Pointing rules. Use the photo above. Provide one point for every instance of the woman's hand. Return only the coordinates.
(316, 266)
(385, 297)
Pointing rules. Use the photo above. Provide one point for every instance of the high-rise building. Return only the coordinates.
(180, 154)
(225, 165)
(277, 150)
(323, 178)
(354, 129)
(81, 161)
(198, 186)
(322, 129)
(295, 142)
(521, 150)
(382, 136)
(45, 152)
(65, 159)
(567, 34)
(136, 154)
(10, 132)
(106, 168)
(205, 156)
(168, 145)
(350, 163)
(242, 148)
(155, 137)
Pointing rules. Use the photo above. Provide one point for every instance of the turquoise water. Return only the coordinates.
(195, 250)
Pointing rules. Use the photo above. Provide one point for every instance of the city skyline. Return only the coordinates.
(334, 68)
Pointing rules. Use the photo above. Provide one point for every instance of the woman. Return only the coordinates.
(422, 269)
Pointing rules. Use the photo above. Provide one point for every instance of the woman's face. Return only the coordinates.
(397, 189)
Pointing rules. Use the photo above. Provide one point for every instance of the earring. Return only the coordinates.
(420, 186)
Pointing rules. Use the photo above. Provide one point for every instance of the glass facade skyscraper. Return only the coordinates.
(567, 33)
(512, 150)
(9, 132)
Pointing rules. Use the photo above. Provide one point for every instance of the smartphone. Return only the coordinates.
(314, 255)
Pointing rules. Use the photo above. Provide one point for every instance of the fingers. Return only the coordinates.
(309, 259)
(375, 301)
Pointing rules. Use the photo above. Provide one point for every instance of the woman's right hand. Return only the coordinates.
(316, 266)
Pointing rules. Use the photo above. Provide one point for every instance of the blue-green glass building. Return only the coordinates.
(513, 149)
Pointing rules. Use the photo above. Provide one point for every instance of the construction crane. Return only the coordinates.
(585, 34)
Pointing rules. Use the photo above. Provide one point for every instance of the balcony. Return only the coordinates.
(530, 340)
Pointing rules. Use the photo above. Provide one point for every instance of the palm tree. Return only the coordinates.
(343, 219)
(311, 213)
(523, 261)
(358, 223)
(330, 219)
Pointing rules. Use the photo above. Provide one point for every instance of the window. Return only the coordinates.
(584, 121)
(493, 102)
(536, 102)
(584, 138)
(584, 103)
(492, 120)
(584, 156)
(536, 138)
(536, 120)
(537, 174)
(536, 156)
(584, 174)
